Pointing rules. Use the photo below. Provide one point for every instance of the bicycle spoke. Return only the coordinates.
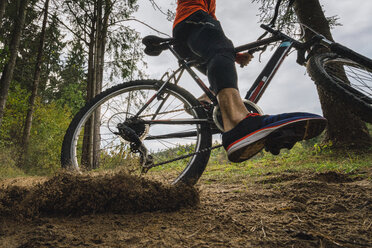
(352, 74)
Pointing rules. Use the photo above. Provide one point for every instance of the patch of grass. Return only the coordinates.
(8, 168)
(10, 172)
(299, 158)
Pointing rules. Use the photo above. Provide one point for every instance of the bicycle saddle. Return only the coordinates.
(155, 45)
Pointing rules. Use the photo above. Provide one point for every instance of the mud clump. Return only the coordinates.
(75, 195)
(10, 199)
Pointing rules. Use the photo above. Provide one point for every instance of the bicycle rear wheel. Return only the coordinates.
(177, 141)
(347, 79)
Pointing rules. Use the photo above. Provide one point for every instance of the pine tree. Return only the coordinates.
(35, 83)
(7, 74)
(71, 90)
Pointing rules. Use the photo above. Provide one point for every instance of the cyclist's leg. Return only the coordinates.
(207, 40)
(243, 137)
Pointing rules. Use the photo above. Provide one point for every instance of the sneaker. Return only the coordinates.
(274, 132)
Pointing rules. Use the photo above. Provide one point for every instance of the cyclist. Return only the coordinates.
(245, 134)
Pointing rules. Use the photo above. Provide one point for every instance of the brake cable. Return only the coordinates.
(272, 24)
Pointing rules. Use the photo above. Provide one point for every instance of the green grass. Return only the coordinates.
(305, 156)
(8, 168)
(300, 158)
(10, 172)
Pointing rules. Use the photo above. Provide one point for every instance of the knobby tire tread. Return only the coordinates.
(319, 75)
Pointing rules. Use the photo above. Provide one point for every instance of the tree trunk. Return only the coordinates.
(7, 75)
(35, 84)
(87, 155)
(92, 136)
(97, 45)
(96, 89)
(102, 26)
(344, 128)
(2, 10)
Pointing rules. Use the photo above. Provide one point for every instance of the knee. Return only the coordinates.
(219, 60)
(222, 72)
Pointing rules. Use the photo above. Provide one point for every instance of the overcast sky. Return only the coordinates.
(291, 89)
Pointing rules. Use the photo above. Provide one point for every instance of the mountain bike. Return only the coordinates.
(160, 129)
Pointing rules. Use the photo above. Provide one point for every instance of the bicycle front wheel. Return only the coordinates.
(347, 79)
(178, 142)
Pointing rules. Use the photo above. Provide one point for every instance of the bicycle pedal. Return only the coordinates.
(284, 139)
(273, 150)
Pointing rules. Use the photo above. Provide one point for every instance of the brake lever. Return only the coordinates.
(255, 50)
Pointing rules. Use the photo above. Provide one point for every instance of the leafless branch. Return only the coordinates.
(75, 15)
(169, 14)
(156, 6)
(67, 27)
(143, 23)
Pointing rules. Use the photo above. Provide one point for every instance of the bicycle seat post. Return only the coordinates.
(183, 63)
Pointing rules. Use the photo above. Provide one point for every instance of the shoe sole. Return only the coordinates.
(296, 130)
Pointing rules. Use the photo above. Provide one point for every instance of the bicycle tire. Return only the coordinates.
(350, 80)
(134, 93)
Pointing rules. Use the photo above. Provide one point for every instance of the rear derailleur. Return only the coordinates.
(136, 146)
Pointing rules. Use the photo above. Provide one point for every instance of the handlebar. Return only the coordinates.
(277, 33)
(301, 47)
(268, 28)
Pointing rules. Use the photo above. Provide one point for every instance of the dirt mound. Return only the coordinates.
(297, 209)
(75, 195)
(278, 178)
(333, 177)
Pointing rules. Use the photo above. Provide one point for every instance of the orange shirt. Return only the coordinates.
(186, 7)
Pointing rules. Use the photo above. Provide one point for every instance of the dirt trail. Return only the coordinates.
(285, 210)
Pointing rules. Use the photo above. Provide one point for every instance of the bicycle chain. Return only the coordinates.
(183, 157)
(178, 110)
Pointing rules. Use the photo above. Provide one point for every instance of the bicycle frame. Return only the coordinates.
(260, 84)
(263, 80)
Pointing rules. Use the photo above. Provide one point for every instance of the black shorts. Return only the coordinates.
(202, 37)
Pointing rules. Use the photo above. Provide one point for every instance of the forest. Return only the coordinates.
(56, 55)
